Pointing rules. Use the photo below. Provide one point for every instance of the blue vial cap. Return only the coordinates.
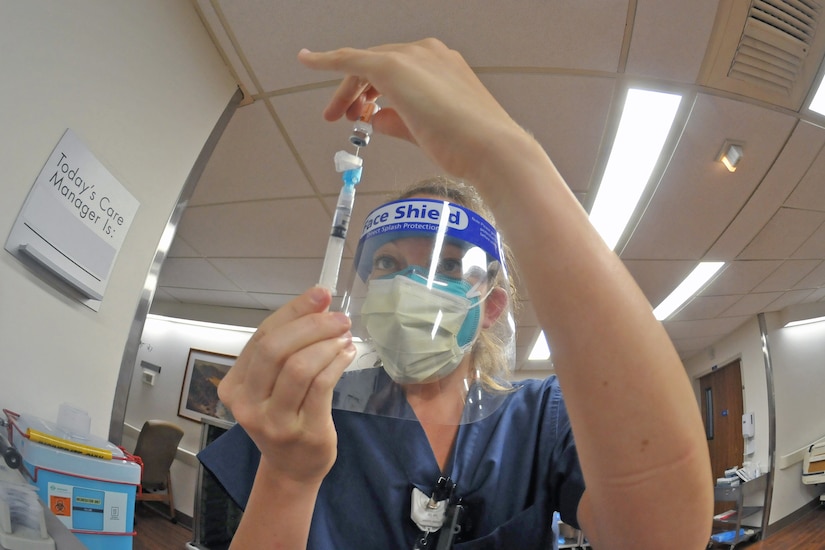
(352, 177)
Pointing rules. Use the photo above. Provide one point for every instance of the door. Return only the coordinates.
(721, 393)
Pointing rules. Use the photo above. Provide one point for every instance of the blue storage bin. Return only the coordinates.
(94, 497)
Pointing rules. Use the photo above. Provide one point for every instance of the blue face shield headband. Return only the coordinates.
(446, 223)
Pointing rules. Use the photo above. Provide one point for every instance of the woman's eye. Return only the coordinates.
(450, 267)
(385, 264)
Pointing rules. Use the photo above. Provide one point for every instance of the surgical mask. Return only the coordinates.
(421, 333)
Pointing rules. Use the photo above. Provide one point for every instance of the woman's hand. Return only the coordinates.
(432, 98)
(280, 388)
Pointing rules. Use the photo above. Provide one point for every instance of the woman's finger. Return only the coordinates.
(276, 349)
(247, 368)
(299, 376)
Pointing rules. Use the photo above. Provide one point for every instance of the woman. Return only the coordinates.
(639, 438)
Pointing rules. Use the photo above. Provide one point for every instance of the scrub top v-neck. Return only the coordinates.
(512, 470)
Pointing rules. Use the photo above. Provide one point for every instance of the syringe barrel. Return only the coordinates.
(337, 238)
(343, 211)
(332, 264)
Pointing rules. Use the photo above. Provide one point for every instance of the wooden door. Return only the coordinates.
(722, 409)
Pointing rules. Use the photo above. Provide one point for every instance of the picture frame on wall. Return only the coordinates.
(199, 392)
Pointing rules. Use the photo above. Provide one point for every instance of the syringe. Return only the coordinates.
(351, 166)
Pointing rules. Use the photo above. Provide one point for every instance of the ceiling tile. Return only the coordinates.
(251, 161)
(657, 279)
(814, 246)
(270, 275)
(669, 38)
(787, 275)
(272, 301)
(787, 230)
(808, 194)
(697, 198)
(793, 162)
(704, 307)
(703, 328)
(214, 298)
(181, 249)
(740, 277)
(193, 273)
(289, 227)
(752, 304)
(565, 34)
(565, 113)
(790, 298)
(814, 279)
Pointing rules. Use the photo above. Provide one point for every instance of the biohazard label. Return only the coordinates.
(60, 506)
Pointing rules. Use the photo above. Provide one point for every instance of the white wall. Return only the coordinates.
(798, 355)
(143, 86)
(798, 360)
(166, 343)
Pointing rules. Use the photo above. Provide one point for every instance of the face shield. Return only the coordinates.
(428, 296)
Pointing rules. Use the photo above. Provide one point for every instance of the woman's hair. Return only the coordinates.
(491, 355)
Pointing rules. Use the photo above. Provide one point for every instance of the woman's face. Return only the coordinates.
(400, 254)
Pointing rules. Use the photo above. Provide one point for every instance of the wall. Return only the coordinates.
(166, 343)
(142, 85)
(799, 380)
(798, 355)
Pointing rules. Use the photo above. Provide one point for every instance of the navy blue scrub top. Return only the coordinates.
(512, 470)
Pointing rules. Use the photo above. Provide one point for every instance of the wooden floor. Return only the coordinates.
(156, 532)
(807, 533)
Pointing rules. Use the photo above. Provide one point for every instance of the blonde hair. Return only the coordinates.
(490, 352)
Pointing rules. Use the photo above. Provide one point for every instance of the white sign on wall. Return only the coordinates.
(74, 220)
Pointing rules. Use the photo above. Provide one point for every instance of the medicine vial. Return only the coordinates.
(362, 130)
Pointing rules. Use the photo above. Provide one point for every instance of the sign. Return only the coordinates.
(74, 220)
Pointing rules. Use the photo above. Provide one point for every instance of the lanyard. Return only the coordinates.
(439, 517)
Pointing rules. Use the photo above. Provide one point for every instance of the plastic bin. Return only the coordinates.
(94, 497)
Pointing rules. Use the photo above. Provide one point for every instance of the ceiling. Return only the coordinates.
(255, 230)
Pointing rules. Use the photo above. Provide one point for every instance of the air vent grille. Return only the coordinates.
(775, 42)
(766, 49)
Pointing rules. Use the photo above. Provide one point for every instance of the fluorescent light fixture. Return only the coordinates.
(803, 314)
(700, 275)
(818, 102)
(805, 321)
(202, 324)
(541, 350)
(645, 124)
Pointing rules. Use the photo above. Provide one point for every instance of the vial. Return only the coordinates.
(361, 131)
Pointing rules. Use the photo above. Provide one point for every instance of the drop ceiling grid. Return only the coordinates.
(794, 160)
(669, 39)
(557, 34)
(696, 201)
(251, 162)
(786, 231)
(259, 229)
(565, 113)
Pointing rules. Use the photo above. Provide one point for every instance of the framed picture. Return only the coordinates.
(199, 393)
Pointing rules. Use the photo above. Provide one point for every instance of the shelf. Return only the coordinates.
(733, 523)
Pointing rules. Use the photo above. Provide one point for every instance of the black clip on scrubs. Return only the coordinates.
(454, 515)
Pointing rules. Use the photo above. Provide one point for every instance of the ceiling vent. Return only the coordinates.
(769, 50)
